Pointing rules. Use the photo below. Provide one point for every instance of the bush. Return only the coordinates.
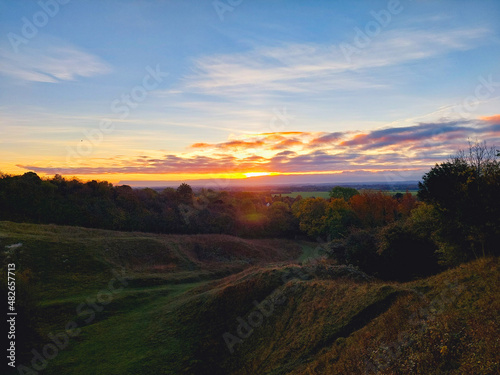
(361, 251)
(405, 254)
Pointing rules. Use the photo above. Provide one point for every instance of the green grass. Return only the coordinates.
(69, 265)
(171, 317)
(310, 251)
(109, 342)
(392, 192)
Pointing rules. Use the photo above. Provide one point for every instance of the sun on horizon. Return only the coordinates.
(258, 174)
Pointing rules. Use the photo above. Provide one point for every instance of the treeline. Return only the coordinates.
(455, 218)
(99, 204)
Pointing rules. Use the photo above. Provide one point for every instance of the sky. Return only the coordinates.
(336, 91)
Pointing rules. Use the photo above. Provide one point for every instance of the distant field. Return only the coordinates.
(326, 194)
(308, 194)
(413, 192)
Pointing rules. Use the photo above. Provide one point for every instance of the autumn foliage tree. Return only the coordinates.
(311, 213)
(465, 191)
(374, 208)
(406, 204)
(324, 218)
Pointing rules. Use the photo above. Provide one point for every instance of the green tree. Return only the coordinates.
(281, 219)
(361, 251)
(338, 218)
(185, 193)
(311, 213)
(345, 193)
(465, 191)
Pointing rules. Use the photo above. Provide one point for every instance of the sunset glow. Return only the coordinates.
(257, 174)
(219, 153)
(218, 106)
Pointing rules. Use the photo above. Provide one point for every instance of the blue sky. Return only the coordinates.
(122, 90)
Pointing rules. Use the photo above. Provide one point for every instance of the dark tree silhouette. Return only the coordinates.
(185, 193)
(465, 191)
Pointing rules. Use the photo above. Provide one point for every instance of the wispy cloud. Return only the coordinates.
(50, 60)
(313, 68)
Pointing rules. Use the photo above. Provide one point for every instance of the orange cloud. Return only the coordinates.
(283, 133)
(268, 141)
(274, 138)
(356, 140)
(200, 145)
(419, 146)
(494, 119)
(326, 139)
(287, 143)
(240, 144)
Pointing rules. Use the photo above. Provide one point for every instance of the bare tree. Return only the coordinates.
(479, 156)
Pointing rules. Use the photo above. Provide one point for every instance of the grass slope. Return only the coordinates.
(187, 294)
(335, 322)
(81, 258)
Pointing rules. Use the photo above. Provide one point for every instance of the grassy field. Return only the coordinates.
(413, 192)
(182, 302)
(308, 194)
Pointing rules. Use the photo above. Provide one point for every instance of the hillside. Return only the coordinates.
(188, 305)
(55, 252)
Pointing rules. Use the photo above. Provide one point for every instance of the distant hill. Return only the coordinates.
(344, 178)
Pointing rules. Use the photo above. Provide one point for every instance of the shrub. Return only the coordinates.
(405, 254)
(361, 251)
